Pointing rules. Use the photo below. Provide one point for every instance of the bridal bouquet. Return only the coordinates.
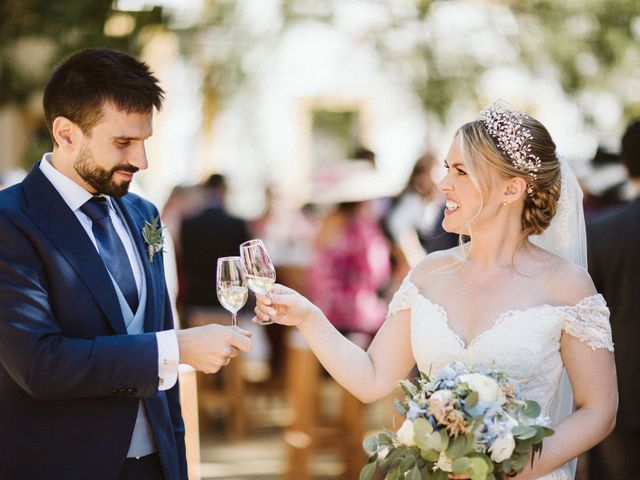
(471, 422)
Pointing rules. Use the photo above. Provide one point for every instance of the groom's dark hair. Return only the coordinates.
(83, 82)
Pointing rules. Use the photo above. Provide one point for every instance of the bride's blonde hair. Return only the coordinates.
(481, 149)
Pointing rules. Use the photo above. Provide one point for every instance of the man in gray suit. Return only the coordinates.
(614, 264)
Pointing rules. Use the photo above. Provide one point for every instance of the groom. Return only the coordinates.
(88, 353)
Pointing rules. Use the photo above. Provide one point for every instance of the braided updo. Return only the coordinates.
(479, 148)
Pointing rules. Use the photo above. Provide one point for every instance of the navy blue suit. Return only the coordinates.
(70, 377)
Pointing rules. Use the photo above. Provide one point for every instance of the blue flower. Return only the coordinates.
(414, 410)
(447, 372)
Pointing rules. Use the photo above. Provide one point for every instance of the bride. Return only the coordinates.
(499, 299)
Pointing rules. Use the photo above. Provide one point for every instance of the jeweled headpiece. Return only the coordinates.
(506, 128)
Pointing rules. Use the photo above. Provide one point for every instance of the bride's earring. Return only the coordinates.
(504, 201)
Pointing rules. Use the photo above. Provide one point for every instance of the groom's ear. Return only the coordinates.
(66, 133)
(516, 188)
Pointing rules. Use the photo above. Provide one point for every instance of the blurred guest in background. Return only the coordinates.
(208, 235)
(415, 220)
(350, 264)
(184, 201)
(288, 233)
(603, 183)
(614, 263)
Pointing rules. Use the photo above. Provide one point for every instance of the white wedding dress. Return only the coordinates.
(525, 343)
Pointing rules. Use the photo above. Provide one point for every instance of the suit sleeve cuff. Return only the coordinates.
(168, 359)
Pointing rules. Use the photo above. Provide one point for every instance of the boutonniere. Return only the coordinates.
(153, 237)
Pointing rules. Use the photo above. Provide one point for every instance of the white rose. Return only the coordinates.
(442, 396)
(405, 434)
(489, 392)
(502, 448)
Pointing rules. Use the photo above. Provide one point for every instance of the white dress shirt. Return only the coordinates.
(75, 196)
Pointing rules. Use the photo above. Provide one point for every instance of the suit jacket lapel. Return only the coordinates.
(53, 216)
(135, 221)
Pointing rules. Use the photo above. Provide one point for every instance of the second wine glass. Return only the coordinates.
(258, 268)
(231, 286)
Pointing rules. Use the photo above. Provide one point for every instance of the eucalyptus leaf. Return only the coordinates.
(384, 439)
(478, 468)
(461, 465)
(409, 460)
(524, 432)
(421, 431)
(413, 474)
(368, 471)
(394, 457)
(532, 410)
(430, 455)
(426, 472)
(440, 475)
(523, 446)
(394, 474)
(422, 427)
(457, 447)
(435, 442)
(539, 436)
(371, 444)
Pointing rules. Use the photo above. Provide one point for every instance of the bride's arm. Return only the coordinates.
(593, 380)
(368, 375)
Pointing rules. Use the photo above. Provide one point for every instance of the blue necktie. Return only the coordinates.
(111, 248)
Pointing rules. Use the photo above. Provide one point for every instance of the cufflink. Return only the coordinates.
(160, 381)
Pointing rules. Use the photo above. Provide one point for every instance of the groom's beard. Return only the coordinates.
(99, 178)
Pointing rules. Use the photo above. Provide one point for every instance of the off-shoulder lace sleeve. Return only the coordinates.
(403, 298)
(589, 322)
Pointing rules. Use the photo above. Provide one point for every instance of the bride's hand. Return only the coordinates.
(283, 305)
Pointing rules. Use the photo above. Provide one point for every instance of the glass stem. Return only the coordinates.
(234, 319)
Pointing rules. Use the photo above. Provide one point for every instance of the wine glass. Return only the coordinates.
(231, 286)
(258, 268)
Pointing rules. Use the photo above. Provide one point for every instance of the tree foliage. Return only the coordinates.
(35, 34)
(588, 45)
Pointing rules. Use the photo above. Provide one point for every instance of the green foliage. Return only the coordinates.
(371, 444)
(532, 410)
(153, 236)
(368, 471)
(589, 45)
(57, 29)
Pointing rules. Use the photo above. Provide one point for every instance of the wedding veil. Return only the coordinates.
(566, 236)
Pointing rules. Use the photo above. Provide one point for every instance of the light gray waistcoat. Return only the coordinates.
(142, 442)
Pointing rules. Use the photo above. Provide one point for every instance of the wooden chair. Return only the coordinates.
(307, 434)
(189, 405)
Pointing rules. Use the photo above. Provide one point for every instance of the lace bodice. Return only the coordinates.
(523, 343)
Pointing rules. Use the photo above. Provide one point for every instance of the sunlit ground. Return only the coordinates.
(263, 454)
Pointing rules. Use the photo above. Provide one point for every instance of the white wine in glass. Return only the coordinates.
(231, 286)
(260, 285)
(258, 268)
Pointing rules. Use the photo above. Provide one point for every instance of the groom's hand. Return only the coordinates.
(211, 347)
